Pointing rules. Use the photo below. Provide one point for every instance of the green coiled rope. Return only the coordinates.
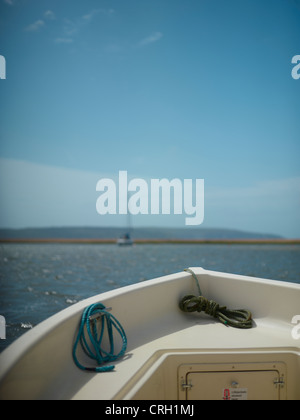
(91, 344)
(238, 318)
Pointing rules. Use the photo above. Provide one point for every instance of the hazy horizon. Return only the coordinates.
(85, 232)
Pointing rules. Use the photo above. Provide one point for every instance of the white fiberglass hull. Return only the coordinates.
(170, 354)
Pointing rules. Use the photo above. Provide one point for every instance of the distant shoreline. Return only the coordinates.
(154, 241)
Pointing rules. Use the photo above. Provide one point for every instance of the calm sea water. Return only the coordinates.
(39, 280)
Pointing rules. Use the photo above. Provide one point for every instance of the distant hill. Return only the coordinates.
(137, 233)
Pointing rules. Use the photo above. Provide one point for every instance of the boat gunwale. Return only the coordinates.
(23, 345)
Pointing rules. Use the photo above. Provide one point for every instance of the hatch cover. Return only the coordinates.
(252, 381)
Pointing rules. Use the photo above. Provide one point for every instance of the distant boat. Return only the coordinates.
(125, 240)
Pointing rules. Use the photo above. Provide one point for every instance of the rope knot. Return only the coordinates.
(212, 308)
(192, 303)
(238, 318)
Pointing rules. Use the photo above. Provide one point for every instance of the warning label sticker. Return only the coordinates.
(235, 394)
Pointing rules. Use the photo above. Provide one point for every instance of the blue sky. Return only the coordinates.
(162, 89)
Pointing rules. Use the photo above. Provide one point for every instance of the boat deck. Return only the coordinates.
(204, 342)
(167, 349)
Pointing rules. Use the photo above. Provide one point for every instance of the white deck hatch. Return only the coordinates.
(253, 381)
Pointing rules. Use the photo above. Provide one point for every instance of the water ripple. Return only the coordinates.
(39, 280)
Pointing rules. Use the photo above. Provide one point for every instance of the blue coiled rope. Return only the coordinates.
(91, 344)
